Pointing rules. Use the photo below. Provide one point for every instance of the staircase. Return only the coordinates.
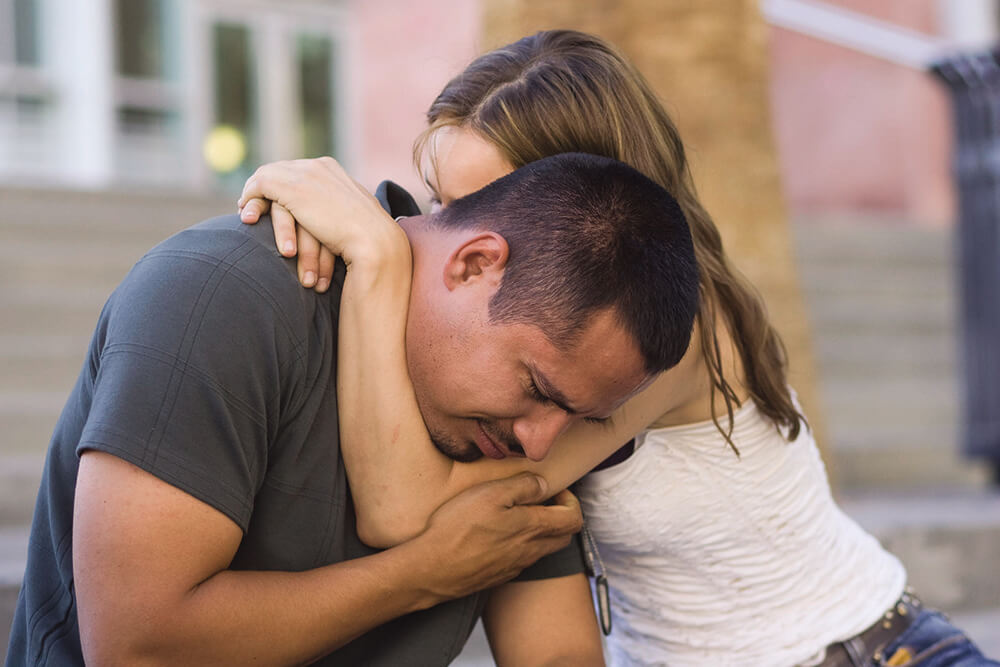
(883, 306)
(61, 254)
(884, 313)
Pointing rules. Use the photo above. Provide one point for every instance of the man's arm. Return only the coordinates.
(152, 584)
(546, 622)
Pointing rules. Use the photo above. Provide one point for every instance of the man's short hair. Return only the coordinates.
(588, 233)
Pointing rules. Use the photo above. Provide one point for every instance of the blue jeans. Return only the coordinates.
(932, 641)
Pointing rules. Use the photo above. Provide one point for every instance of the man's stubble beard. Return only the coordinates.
(455, 449)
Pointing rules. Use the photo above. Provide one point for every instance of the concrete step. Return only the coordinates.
(883, 305)
(874, 399)
(858, 352)
(48, 209)
(901, 467)
(32, 318)
(19, 478)
(32, 374)
(26, 433)
(870, 238)
(885, 279)
(13, 552)
(870, 435)
(60, 268)
(898, 414)
(839, 315)
(949, 543)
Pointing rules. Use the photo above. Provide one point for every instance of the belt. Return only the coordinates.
(867, 647)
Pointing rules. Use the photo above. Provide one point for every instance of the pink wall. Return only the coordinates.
(858, 133)
(401, 77)
(853, 132)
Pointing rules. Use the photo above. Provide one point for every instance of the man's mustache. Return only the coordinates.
(499, 434)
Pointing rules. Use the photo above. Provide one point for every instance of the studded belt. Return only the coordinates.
(868, 647)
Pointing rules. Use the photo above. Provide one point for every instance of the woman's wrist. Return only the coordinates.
(381, 260)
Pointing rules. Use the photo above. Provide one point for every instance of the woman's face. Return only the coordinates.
(463, 162)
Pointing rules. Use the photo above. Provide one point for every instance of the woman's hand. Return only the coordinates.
(315, 261)
(318, 211)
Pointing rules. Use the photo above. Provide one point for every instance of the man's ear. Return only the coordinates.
(480, 257)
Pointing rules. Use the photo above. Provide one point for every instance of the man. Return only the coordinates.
(194, 507)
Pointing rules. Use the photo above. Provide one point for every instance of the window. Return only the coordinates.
(231, 146)
(141, 38)
(26, 145)
(147, 105)
(166, 92)
(273, 77)
(316, 89)
(27, 50)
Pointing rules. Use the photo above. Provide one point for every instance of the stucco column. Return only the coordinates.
(707, 61)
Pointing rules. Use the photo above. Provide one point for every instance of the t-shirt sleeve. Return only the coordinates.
(562, 563)
(198, 362)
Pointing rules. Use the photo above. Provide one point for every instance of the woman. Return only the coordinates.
(719, 535)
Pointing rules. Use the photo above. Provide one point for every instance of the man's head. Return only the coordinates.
(549, 296)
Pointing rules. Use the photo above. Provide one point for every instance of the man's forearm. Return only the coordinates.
(149, 567)
(269, 618)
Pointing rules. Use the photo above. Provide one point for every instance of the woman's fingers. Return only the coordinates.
(251, 211)
(309, 252)
(327, 202)
(284, 230)
(326, 260)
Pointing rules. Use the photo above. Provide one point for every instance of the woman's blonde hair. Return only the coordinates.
(560, 91)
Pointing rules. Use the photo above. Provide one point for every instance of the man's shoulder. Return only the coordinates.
(224, 248)
(228, 267)
(225, 238)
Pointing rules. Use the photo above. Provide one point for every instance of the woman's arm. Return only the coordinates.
(398, 478)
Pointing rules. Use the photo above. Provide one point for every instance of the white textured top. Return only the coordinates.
(718, 560)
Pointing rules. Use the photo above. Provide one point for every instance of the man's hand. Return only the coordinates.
(152, 585)
(487, 534)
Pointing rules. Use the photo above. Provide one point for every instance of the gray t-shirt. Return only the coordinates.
(212, 369)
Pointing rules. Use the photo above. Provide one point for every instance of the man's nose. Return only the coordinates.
(536, 432)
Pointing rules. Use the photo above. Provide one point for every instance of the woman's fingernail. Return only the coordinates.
(309, 279)
(322, 284)
(288, 248)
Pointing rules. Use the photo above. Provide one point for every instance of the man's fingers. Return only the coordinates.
(550, 545)
(522, 489)
(565, 498)
(284, 230)
(555, 520)
(309, 250)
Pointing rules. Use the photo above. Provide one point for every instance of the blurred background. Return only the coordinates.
(822, 142)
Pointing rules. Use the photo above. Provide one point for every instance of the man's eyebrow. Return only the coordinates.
(550, 391)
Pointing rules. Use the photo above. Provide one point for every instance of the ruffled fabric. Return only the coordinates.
(715, 559)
